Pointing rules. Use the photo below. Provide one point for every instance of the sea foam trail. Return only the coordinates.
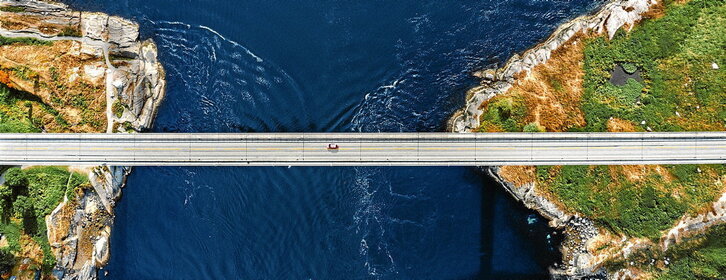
(221, 74)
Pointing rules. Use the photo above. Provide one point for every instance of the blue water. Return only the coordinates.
(326, 65)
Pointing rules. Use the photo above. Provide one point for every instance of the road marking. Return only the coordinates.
(153, 149)
(522, 148)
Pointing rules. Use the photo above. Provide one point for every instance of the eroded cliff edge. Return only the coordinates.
(634, 65)
(83, 72)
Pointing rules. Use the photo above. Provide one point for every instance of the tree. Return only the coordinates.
(15, 178)
(6, 193)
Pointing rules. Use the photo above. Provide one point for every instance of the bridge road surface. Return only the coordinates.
(363, 149)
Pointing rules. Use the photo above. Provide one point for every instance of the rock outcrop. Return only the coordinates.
(688, 225)
(579, 231)
(79, 228)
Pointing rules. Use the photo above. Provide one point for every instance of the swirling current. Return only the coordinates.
(327, 65)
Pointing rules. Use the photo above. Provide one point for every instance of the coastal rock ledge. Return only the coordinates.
(79, 228)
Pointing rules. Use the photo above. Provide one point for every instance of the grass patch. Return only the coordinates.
(505, 114)
(12, 9)
(640, 207)
(23, 41)
(533, 127)
(118, 108)
(675, 54)
(13, 118)
(49, 260)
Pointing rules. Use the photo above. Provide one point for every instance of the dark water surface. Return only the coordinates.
(263, 66)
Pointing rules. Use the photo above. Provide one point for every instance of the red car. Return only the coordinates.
(332, 146)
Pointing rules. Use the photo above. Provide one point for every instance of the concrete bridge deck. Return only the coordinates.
(363, 149)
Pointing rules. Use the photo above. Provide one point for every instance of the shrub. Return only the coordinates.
(4, 94)
(629, 68)
(7, 261)
(533, 127)
(70, 31)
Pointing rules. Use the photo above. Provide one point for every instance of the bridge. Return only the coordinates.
(363, 149)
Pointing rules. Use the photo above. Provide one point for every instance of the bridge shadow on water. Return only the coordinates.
(515, 242)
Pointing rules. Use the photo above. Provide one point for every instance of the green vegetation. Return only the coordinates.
(27, 197)
(619, 99)
(629, 68)
(505, 114)
(700, 258)
(128, 127)
(533, 127)
(7, 261)
(11, 230)
(118, 108)
(23, 41)
(637, 207)
(13, 118)
(12, 9)
(682, 91)
(70, 31)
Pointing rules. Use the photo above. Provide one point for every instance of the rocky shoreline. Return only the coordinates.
(580, 233)
(79, 228)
